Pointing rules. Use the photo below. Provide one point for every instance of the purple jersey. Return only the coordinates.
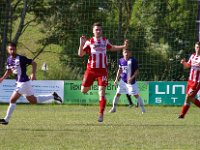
(18, 66)
(128, 68)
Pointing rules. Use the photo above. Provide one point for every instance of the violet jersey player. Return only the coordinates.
(18, 66)
(128, 68)
(127, 71)
(96, 49)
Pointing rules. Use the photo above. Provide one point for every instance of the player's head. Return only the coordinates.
(197, 48)
(126, 53)
(11, 48)
(97, 29)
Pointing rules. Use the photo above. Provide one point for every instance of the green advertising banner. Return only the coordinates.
(73, 95)
(167, 93)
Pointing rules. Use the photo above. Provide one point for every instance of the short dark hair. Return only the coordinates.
(125, 49)
(12, 44)
(97, 24)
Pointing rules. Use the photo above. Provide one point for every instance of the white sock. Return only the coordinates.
(10, 110)
(140, 102)
(115, 101)
(43, 98)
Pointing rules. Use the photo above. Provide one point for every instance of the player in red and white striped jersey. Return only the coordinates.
(193, 85)
(96, 47)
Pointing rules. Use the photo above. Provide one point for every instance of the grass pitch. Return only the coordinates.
(70, 127)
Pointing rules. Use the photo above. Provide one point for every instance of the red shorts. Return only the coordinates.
(91, 75)
(192, 86)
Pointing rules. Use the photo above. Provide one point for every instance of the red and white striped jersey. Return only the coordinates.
(96, 49)
(194, 61)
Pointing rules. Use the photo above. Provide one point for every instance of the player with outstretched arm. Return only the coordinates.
(17, 65)
(96, 47)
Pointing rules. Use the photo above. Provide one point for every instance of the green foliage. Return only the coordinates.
(157, 30)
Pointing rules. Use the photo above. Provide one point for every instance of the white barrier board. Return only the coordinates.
(41, 87)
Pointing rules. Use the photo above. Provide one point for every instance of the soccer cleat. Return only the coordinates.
(131, 105)
(112, 110)
(180, 117)
(57, 97)
(3, 122)
(100, 119)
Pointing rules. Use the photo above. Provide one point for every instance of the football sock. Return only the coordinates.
(139, 99)
(102, 104)
(129, 99)
(197, 102)
(185, 108)
(10, 110)
(115, 101)
(43, 98)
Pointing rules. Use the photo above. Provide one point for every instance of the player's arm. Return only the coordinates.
(185, 64)
(81, 52)
(134, 75)
(119, 71)
(6, 74)
(119, 47)
(34, 67)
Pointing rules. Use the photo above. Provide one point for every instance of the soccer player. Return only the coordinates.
(17, 65)
(193, 84)
(96, 47)
(128, 71)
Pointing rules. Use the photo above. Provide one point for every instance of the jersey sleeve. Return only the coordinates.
(8, 65)
(119, 64)
(26, 60)
(108, 45)
(86, 46)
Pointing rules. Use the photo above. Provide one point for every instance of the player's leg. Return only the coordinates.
(115, 102)
(13, 99)
(121, 89)
(140, 102)
(134, 90)
(188, 99)
(29, 94)
(88, 80)
(102, 78)
(130, 103)
(102, 102)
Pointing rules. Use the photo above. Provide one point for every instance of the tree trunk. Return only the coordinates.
(4, 38)
(21, 24)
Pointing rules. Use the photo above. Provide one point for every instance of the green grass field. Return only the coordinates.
(70, 127)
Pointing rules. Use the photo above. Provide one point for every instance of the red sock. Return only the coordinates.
(102, 104)
(184, 110)
(197, 102)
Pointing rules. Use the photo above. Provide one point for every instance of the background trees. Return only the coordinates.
(160, 33)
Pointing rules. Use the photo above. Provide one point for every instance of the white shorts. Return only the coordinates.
(124, 88)
(24, 88)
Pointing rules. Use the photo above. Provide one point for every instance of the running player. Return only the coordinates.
(17, 65)
(96, 48)
(128, 71)
(193, 84)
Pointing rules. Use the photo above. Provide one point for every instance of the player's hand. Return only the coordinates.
(82, 40)
(32, 77)
(129, 80)
(115, 82)
(1, 79)
(125, 43)
(183, 61)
